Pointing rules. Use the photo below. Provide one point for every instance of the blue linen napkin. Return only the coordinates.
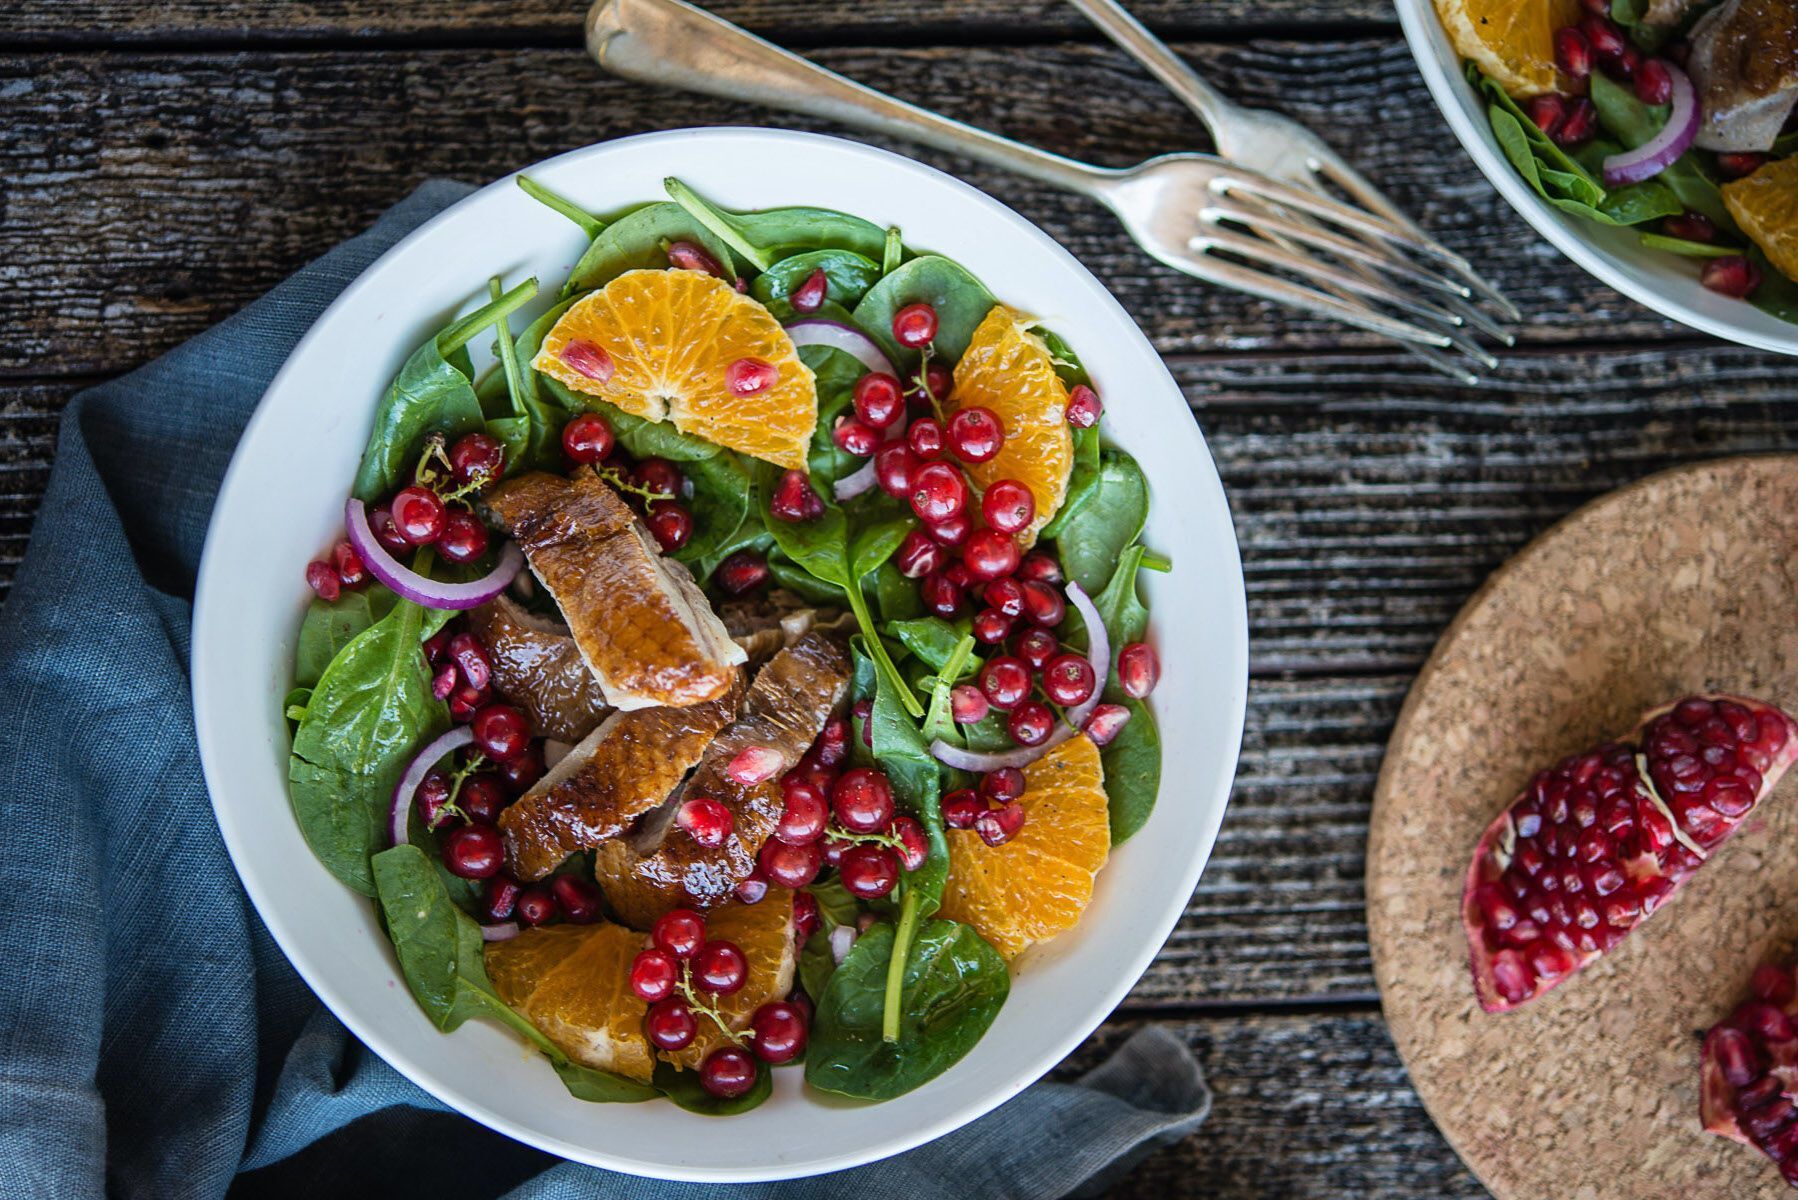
(153, 1040)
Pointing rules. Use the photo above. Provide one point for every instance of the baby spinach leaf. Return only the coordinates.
(1091, 541)
(835, 374)
(295, 702)
(954, 985)
(330, 625)
(721, 502)
(896, 596)
(434, 393)
(848, 276)
(939, 718)
(762, 238)
(932, 639)
(684, 1089)
(835, 904)
(816, 964)
(368, 715)
(1777, 294)
(1632, 123)
(639, 241)
(875, 543)
(1081, 484)
(961, 302)
(640, 437)
(1067, 364)
(802, 583)
(1120, 607)
(1132, 765)
(1680, 246)
(590, 224)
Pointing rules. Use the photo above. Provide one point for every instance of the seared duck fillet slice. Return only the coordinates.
(537, 666)
(785, 709)
(640, 622)
(1744, 64)
(620, 771)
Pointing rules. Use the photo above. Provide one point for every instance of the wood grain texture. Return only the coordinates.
(805, 22)
(162, 191)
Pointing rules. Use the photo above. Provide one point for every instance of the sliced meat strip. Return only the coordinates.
(640, 622)
(1744, 64)
(537, 666)
(785, 709)
(624, 768)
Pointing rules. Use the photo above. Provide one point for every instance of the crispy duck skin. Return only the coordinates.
(785, 708)
(537, 666)
(1744, 63)
(620, 771)
(640, 622)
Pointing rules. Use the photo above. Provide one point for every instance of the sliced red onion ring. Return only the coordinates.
(857, 483)
(820, 331)
(1098, 653)
(417, 588)
(415, 774)
(1664, 148)
(499, 933)
(841, 939)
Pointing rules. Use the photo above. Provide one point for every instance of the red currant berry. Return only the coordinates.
(804, 816)
(477, 458)
(862, 800)
(680, 932)
(464, 538)
(788, 865)
(537, 905)
(727, 1073)
(1008, 506)
(914, 326)
(720, 968)
(474, 852)
(1036, 647)
(1069, 679)
(918, 556)
(670, 524)
(418, 515)
(482, 798)
(587, 439)
(925, 437)
(578, 898)
(670, 1025)
(953, 532)
(501, 731)
(975, 434)
(777, 1032)
(878, 401)
(522, 770)
(991, 626)
(653, 975)
(896, 469)
(968, 705)
(938, 493)
(1006, 595)
(869, 871)
(1006, 681)
(853, 437)
(990, 555)
(660, 476)
(1039, 567)
(1031, 723)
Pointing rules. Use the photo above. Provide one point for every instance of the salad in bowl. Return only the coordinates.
(744, 671)
(1672, 119)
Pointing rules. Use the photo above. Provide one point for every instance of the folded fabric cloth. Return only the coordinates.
(153, 1041)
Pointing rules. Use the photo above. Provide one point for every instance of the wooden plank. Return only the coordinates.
(159, 192)
(804, 22)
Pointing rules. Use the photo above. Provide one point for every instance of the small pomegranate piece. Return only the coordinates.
(1693, 227)
(753, 888)
(753, 765)
(914, 326)
(537, 905)
(502, 897)
(1006, 783)
(589, 358)
(653, 974)
(1006, 595)
(913, 848)
(470, 657)
(1107, 721)
(690, 256)
(794, 501)
(742, 572)
(680, 932)
(322, 577)
(587, 439)
(1084, 407)
(940, 595)
(878, 400)
(1740, 165)
(670, 524)
(999, 825)
(806, 917)
(968, 705)
(953, 532)
(832, 747)
(1043, 605)
(1581, 125)
(1603, 36)
(1749, 1074)
(811, 294)
(1548, 111)
(1598, 842)
(1138, 669)
(918, 555)
(1039, 567)
(1654, 82)
(990, 626)
(727, 1073)
(1573, 52)
(705, 820)
(1732, 276)
(578, 898)
(351, 572)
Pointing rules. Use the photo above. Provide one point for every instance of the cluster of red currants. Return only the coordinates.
(653, 485)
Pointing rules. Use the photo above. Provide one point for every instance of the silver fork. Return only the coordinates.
(1382, 276)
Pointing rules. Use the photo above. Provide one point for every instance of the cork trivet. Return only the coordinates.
(1684, 582)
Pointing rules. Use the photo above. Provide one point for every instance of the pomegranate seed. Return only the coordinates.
(1735, 1054)
(1732, 276)
(705, 820)
(727, 1073)
(789, 865)
(1006, 595)
(474, 852)
(914, 326)
(1036, 647)
(1598, 8)
(991, 626)
(578, 898)
(1031, 723)
(742, 572)
(322, 577)
(804, 816)
(1623, 67)
(991, 555)
(1138, 669)
(753, 889)
(975, 434)
(868, 872)
(1573, 51)
(653, 974)
(862, 800)
(1043, 605)
(443, 683)
(477, 458)
(917, 555)
(939, 381)
(1008, 506)
(1693, 227)
(1107, 721)
(832, 747)
(588, 358)
(502, 897)
(861, 710)
(999, 825)
(690, 256)
(1039, 567)
(523, 770)
(482, 799)
(418, 514)
(777, 1031)
(794, 500)
(1605, 38)
(1774, 985)
(1580, 126)
(670, 524)
(896, 469)
(940, 595)
(670, 1024)
(501, 731)
(853, 437)
(913, 848)
(968, 705)
(351, 573)
(925, 437)
(809, 296)
(961, 807)
(1548, 111)
(380, 520)
(432, 794)
(679, 931)
(720, 968)
(465, 702)
(938, 493)
(464, 538)
(1069, 679)
(537, 905)
(1006, 682)
(587, 439)
(1654, 82)
(660, 476)
(878, 400)
(754, 764)
(1740, 166)
(1084, 407)
(1003, 784)
(806, 918)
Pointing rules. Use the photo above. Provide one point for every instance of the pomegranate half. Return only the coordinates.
(1750, 1072)
(1599, 841)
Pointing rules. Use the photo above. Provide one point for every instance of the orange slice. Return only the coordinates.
(764, 933)
(686, 347)
(1010, 370)
(1512, 41)
(573, 983)
(1037, 884)
(1765, 205)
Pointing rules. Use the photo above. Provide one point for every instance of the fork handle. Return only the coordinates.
(672, 43)
(1117, 23)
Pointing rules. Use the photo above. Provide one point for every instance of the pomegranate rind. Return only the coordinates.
(1659, 847)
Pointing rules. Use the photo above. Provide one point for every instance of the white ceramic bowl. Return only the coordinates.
(1664, 282)
(282, 502)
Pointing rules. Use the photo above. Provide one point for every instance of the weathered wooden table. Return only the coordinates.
(161, 165)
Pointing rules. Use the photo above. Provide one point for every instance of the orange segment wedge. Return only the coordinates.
(686, 347)
(764, 933)
(1010, 370)
(1765, 205)
(1512, 41)
(573, 983)
(1037, 884)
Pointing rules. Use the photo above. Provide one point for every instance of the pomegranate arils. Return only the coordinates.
(1693, 227)
(999, 825)
(808, 296)
(940, 595)
(1596, 843)
(1006, 783)
(1548, 111)
(502, 897)
(705, 820)
(578, 899)
(1580, 126)
(1740, 165)
(1139, 669)
(1107, 721)
(990, 626)
(1573, 52)
(1084, 407)
(322, 577)
(794, 500)
(962, 807)
(1733, 276)
(1749, 1071)
(689, 256)
(1039, 567)
(588, 358)
(1043, 605)
(1654, 82)
(351, 572)
(742, 572)
(913, 848)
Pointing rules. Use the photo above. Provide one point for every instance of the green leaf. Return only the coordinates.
(961, 302)
(723, 498)
(954, 985)
(816, 964)
(638, 241)
(1082, 484)
(1777, 294)
(1684, 182)
(939, 718)
(684, 1089)
(897, 597)
(1091, 541)
(762, 238)
(875, 543)
(590, 224)
(932, 639)
(330, 625)
(835, 904)
(640, 438)
(848, 276)
(903, 753)
(802, 583)
(1680, 246)
(1120, 607)
(1132, 765)
(1067, 363)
